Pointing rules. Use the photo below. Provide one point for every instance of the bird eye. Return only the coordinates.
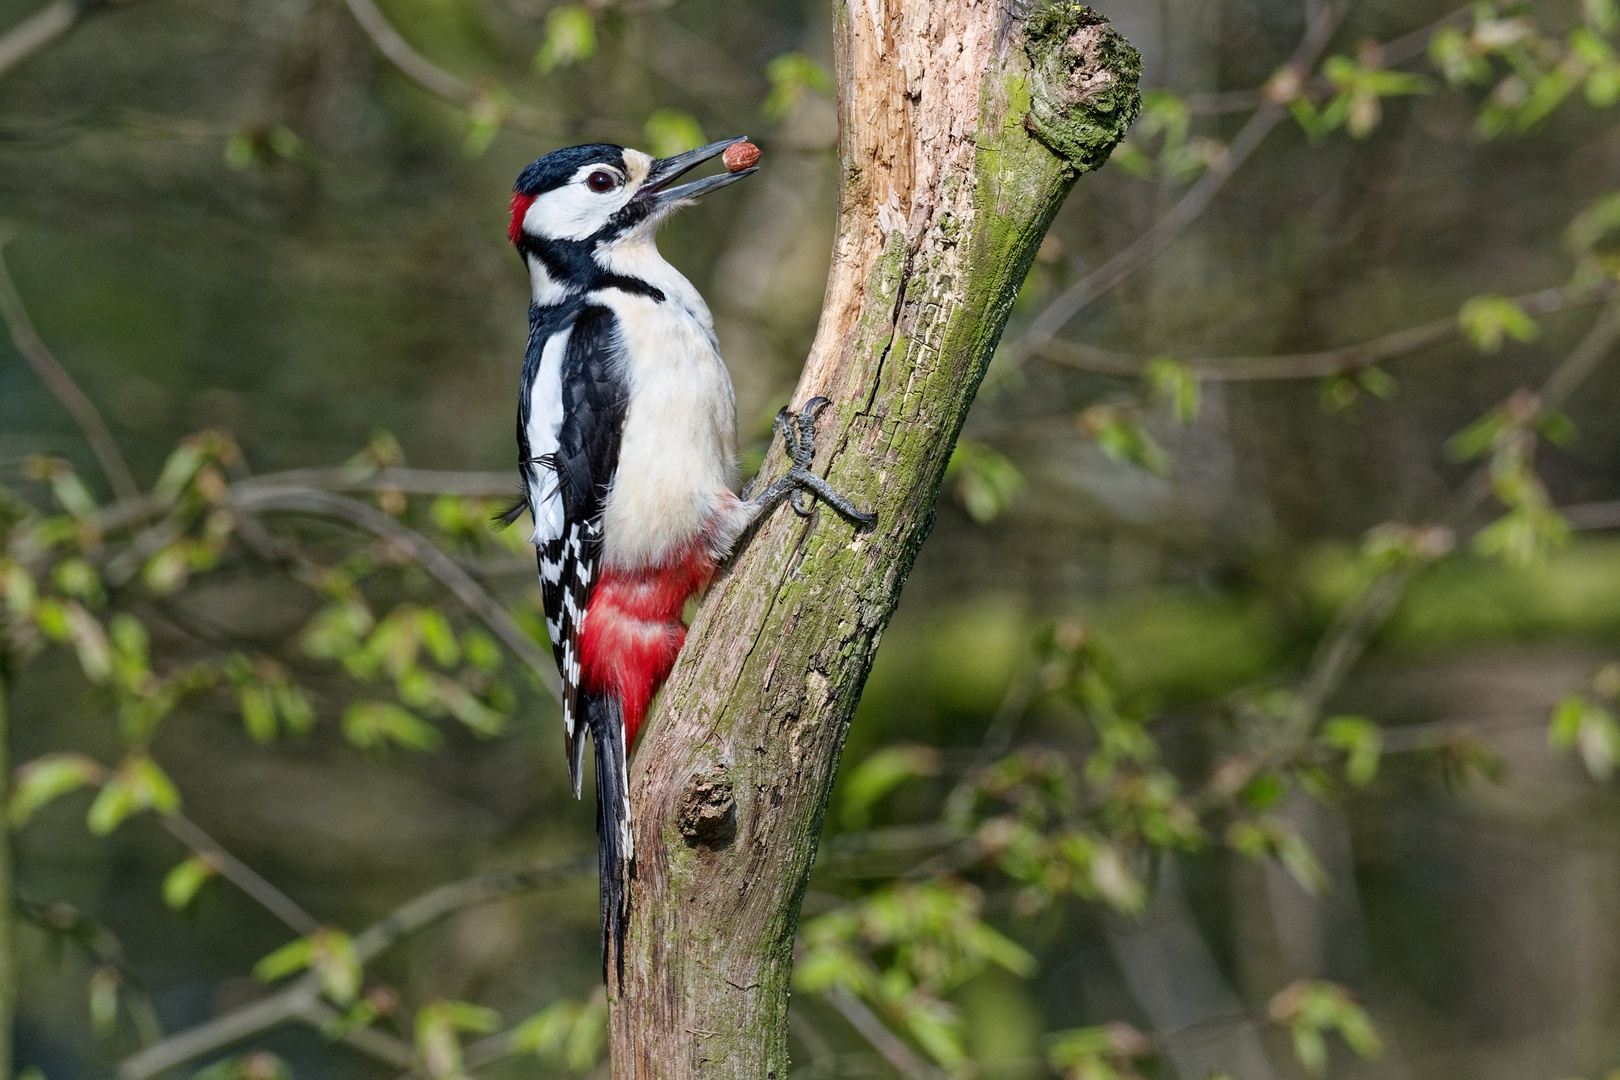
(601, 181)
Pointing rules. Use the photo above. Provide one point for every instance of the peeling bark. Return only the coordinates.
(962, 127)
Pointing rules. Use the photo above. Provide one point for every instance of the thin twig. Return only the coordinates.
(1595, 515)
(884, 1041)
(1150, 244)
(61, 384)
(434, 561)
(396, 478)
(1315, 365)
(240, 874)
(38, 31)
(408, 481)
(294, 1001)
(431, 77)
(370, 1041)
(474, 1055)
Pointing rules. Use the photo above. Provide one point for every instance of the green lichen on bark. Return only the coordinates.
(1083, 78)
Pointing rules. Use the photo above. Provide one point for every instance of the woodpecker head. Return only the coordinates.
(604, 194)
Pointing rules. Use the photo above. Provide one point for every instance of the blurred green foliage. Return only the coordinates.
(1097, 703)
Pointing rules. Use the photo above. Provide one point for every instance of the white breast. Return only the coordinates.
(677, 455)
(545, 424)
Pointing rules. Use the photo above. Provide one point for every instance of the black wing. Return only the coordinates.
(595, 393)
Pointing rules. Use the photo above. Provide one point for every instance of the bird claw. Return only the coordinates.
(799, 439)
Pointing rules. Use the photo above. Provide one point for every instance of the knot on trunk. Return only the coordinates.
(1083, 76)
(708, 814)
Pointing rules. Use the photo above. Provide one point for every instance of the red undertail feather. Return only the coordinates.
(633, 629)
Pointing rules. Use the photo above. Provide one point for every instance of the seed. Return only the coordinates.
(740, 156)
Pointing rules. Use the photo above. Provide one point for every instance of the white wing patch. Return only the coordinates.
(545, 425)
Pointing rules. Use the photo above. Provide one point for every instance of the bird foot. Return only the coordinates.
(799, 438)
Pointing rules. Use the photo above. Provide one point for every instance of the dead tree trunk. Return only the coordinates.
(963, 124)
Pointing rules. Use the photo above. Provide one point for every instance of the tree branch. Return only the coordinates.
(38, 31)
(240, 874)
(297, 1000)
(1315, 365)
(60, 383)
(428, 75)
(434, 561)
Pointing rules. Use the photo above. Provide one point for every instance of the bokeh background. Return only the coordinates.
(241, 216)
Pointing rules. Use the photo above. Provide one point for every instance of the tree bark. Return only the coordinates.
(963, 124)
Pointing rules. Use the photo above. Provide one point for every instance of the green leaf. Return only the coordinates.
(181, 466)
(291, 957)
(1478, 438)
(438, 638)
(1557, 428)
(168, 569)
(1270, 836)
(1489, 320)
(1119, 436)
(671, 132)
(1593, 225)
(986, 481)
(572, 1033)
(1601, 16)
(880, 774)
(329, 953)
(105, 983)
(1523, 536)
(481, 650)
(18, 587)
(1361, 740)
(1130, 159)
(336, 630)
(258, 711)
(66, 487)
(370, 725)
(437, 1042)
(1112, 877)
(181, 884)
(137, 785)
(1377, 382)
(89, 640)
(937, 1029)
(570, 38)
(47, 778)
(1311, 1050)
(1451, 53)
(790, 76)
(1172, 380)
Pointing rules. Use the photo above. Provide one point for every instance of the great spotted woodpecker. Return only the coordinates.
(627, 436)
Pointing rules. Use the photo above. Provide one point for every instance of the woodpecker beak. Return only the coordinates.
(666, 170)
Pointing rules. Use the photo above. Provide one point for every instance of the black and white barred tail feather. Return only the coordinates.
(615, 845)
(569, 566)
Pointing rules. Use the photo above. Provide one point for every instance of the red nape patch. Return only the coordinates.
(633, 630)
(520, 206)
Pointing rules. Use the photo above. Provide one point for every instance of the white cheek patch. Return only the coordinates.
(574, 211)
